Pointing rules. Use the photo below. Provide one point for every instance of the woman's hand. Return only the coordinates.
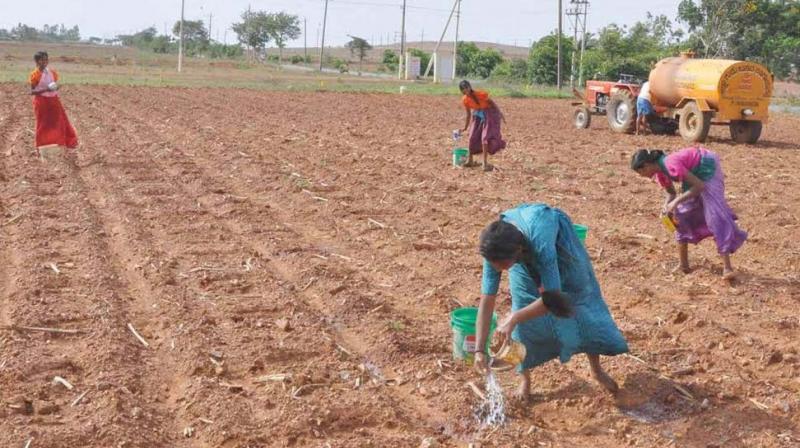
(503, 332)
(481, 364)
(669, 208)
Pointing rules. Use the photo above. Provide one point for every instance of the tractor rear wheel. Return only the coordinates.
(621, 112)
(662, 125)
(743, 131)
(583, 118)
(694, 123)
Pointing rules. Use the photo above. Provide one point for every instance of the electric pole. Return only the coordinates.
(402, 43)
(305, 41)
(210, 16)
(180, 33)
(577, 14)
(455, 41)
(558, 68)
(324, 24)
(583, 41)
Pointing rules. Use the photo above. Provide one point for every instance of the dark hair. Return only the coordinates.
(557, 303)
(501, 241)
(40, 55)
(643, 156)
(465, 85)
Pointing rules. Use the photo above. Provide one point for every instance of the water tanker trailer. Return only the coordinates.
(694, 94)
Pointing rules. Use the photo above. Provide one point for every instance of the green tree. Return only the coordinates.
(466, 54)
(390, 60)
(253, 30)
(360, 47)
(143, 39)
(543, 59)
(712, 23)
(282, 27)
(24, 32)
(195, 36)
(485, 62)
(514, 70)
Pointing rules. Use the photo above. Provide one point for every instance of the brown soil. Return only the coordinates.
(324, 237)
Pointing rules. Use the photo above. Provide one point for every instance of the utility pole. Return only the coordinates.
(400, 66)
(305, 41)
(456, 3)
(558, 69)
(577, 14)
(324, 24)
(180, 32)
(583, 41)
(422, 40)
(210, 16)
(455, 41)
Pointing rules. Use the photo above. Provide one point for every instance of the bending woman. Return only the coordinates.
(557, 307)
(483, 121)
(700, 209)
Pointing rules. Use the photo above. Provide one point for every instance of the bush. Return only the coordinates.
(390, 60)
(515, 71)
(340, 64)
(222, 51)
(297, 59)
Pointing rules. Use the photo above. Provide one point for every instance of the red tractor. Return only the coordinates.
(617, 101)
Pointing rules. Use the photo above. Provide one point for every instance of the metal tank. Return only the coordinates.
(699, 91)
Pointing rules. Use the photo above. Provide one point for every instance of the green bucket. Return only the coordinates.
(463, 321)
(460, 156)
(581, 230)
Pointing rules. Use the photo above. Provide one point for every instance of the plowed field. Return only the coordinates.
(290, 260)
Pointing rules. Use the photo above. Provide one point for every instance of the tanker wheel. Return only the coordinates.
(583, 118)
(621, 112)
(694, 123)
(743, 131)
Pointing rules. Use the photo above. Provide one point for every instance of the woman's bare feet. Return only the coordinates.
(606, 381)
(601, 376)
(487, 167)
(523, 392)
(728, 275)
(682, 268)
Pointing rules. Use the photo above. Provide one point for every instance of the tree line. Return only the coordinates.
(48, 33)
(764, 31)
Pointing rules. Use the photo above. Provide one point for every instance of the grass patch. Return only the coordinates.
(256, 77)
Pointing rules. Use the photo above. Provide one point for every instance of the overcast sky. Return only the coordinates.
(502, 21)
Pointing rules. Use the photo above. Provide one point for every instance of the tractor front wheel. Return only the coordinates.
(694, 123)
(621, 112)
(583, 118)
(743, 131)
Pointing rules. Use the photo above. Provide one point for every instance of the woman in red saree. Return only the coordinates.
(52, 125)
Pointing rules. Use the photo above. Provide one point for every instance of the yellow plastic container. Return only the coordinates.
(669, 223)
(509, 355)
